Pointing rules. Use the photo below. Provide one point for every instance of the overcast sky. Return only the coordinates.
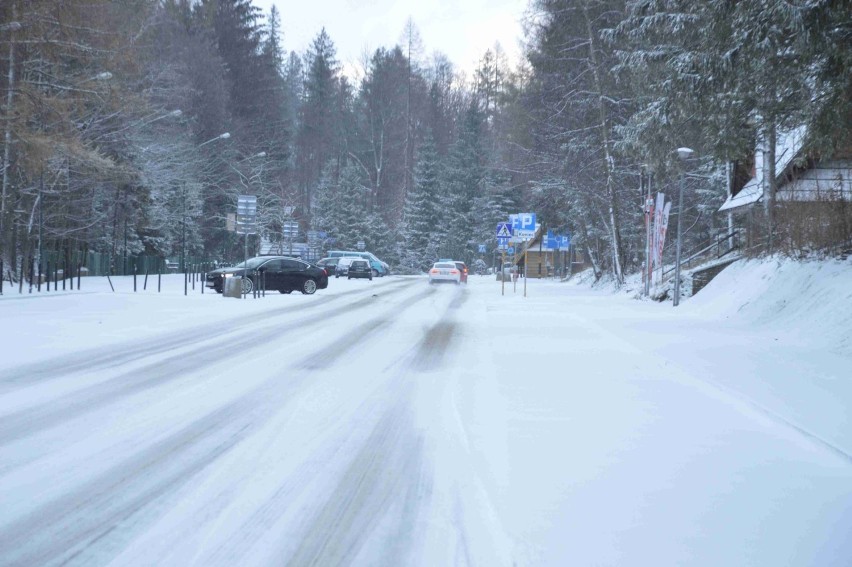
(461, 29)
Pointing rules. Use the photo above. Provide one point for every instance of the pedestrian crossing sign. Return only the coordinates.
(503, 230)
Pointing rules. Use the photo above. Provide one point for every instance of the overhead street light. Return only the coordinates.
(222, 136)
(683, 154)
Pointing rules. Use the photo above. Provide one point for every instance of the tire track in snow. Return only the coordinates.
(27, 422)
(388, 471)
(93, 514)
(334, 352)
(104, 513)
(99, 358)
(407, 497)
(379, 476)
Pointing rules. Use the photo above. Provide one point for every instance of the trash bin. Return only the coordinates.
(233, 287)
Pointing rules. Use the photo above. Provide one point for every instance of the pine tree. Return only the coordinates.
(421, 220)
(319, 120)
(463, 180)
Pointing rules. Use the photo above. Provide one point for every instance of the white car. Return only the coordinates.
(342, 268)
(444, 272)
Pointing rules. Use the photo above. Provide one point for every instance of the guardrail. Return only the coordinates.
(715, 244)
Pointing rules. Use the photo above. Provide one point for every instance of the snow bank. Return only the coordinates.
(811, 300)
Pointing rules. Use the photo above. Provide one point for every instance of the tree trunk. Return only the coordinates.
(7, 136)
(770, 182)
(608, 157)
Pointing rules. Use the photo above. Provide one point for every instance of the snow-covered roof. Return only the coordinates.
(748, 195)
(787, 147)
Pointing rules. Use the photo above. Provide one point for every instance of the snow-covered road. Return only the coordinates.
(394, 423)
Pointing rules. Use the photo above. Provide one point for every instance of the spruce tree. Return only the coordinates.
(421, 219)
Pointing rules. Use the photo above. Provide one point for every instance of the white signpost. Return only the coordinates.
(246, 220)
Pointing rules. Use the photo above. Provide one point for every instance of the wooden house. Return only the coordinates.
(813, 198)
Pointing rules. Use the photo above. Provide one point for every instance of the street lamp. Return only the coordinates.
(683, 154)
(222, 136)
(102, 76)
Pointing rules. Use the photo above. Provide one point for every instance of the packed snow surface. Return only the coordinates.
(390, 422)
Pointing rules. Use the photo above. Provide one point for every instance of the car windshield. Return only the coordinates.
(252, 263)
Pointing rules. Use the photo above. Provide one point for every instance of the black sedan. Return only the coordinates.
(360, 269)
(276, 272)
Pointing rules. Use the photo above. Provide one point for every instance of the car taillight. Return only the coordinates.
(433, 271)
(465, 270)
(454, 271)
(325, 271)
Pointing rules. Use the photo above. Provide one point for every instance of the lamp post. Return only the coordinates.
(683, 154)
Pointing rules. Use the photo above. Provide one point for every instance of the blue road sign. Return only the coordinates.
(565, 241)
(503, 230)
(552, 240)
(510, 250)
(482, 248)
(523, 221)
(503, 241)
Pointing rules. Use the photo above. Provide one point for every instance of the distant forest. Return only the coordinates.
(115, 114)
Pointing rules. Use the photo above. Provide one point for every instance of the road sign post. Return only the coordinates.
(502, 273)
(246, 221)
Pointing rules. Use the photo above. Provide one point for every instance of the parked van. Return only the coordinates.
(379, 267)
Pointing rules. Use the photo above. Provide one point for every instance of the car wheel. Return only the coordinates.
(336, 276)
(348, 277)
(285, 291)
(247, 285)
(309, 287)
(371, 278)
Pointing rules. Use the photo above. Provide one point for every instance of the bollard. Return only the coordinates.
(159, 279)
(203, 282)
(64, 275)
(193, 277)
(79, 273)
(185, 281)
(39, 276)
(32, 268)
(110, 283)
(145, 283)
(1, 277)
(134, 277)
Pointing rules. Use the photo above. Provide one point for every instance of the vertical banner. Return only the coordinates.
(661, 241)
(658, 222)
(649, 250)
